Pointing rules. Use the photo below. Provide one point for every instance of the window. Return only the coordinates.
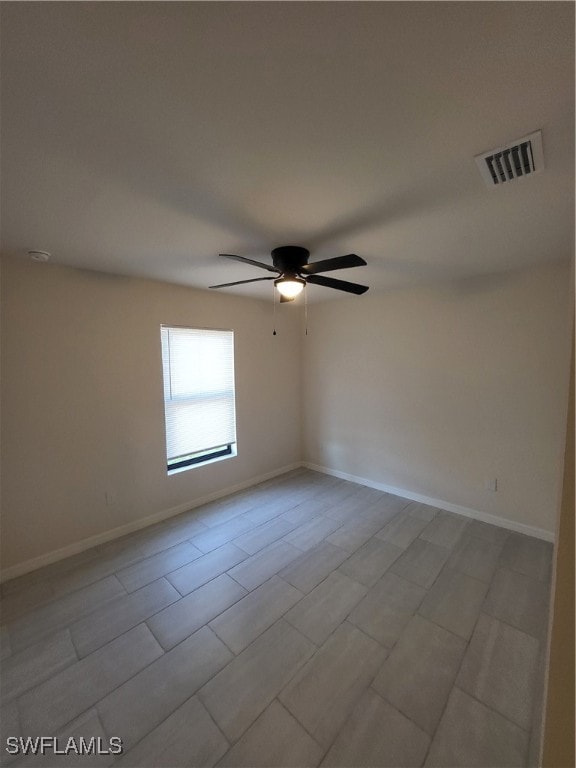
(199, 405)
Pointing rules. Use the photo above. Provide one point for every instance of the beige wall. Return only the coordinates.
(430, 390)
(435, 390)
(82, 401)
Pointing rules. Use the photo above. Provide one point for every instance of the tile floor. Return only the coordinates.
(306, 621)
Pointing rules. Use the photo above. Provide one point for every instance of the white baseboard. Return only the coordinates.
(484, 517)
(115, 533)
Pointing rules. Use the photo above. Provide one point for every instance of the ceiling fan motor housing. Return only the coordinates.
(290, 258)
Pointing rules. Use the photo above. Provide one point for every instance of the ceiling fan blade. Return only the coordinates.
(241, 282)
(339, 262)
(339, 285)
(269, 267)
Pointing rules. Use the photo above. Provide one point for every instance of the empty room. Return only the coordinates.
(287, 412)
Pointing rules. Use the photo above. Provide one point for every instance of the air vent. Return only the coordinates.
(516, 160)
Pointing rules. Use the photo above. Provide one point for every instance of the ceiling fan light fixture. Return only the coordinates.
(290, 287)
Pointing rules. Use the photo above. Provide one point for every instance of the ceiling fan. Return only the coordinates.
(290, 262)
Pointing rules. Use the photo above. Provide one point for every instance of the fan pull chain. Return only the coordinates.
(274, 302)
(306, 310)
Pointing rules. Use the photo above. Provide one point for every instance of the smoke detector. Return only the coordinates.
(516, 160)
(39, 255)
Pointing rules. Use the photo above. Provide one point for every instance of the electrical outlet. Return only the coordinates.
(491, 484)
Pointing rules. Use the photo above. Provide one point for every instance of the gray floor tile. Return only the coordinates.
(342, 511)
(520, 601)
(5, 647)
(48, 572)
(130, 549)
(454, 602)
(258, 568)
(179, 620)
(310, 508)
(378, 735)
(282, 501)
(34, 589)
(499, 669)
(312, 567)
(488, 532)
(188, 737)
(319, 613)
(420, 671)
(371, 561)
(476, 557)
(308, 535)
(127, 549)
(280, 488)
(354, 533)
(296, 485)
(145, 701)
(402, 530)
(205, 568)
(275, 740)
(325, 691)
(88, 575)
(222, 511)
(31, 667)
(299, 495)
(265, 534)
(472, 736)
(382, 511)
(348, 509)
(392, 504)
(314, 486)
(222, 534)
(421, 511)
(87, 726)
(44, 709)
(538, 710)
(158, 704)
(299, 515)
(9, 726)
(59, 613)
(387, 608)
(186, 523)
(421, 563)
(19, 602)
(119, 615)
(527, 555)
(9, 722)
(241, 691)
(152, 568)
(341, 488)
(266, 511)
(445, 529)
(240, 624)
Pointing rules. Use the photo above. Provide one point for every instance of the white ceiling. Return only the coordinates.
(144, 138)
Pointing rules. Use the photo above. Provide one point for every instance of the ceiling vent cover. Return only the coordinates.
(516, 160)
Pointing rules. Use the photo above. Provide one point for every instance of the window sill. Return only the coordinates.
(203, 463)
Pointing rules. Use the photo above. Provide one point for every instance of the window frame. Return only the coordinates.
(208, 455)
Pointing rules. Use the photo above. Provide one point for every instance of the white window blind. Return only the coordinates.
(199, 404)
